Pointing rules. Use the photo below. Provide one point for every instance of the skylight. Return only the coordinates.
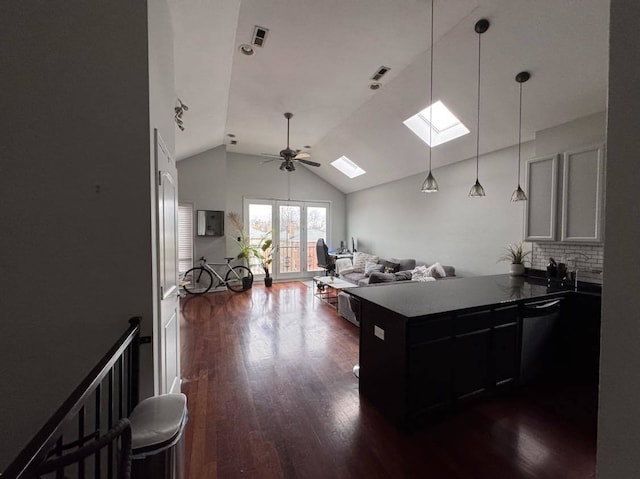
(444, 125)
(348, 167)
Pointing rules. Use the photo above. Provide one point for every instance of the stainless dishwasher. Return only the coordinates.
(540, 322)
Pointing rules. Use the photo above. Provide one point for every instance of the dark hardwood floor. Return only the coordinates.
(268, 375)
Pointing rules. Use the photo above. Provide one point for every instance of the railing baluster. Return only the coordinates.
(58, 449)
(120, 364)
(81, 429)
(98, 426)
(110, 418)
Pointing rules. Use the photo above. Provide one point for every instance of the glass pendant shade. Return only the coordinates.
(518, 195)
(430, 184)
(477, 190)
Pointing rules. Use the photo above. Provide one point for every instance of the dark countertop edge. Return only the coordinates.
(563, 290)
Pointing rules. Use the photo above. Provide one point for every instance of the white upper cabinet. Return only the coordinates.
(572, 204)
(582, 194)
(542, 205)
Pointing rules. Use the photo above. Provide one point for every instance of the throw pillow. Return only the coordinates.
(379, 277)
(370, 267)
(403, 275)
(405, 264)
(436, 271)
(391, 267)
(360, 259)
(420, 274)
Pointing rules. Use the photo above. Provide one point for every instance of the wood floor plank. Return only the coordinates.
(271, 394)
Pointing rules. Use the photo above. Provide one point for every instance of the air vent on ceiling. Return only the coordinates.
(259, 36)
(380, 72)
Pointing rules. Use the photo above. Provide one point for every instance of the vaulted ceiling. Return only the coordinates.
(319, 56)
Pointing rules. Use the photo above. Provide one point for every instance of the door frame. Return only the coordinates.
(275, 222)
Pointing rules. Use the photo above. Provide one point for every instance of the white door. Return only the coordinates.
(167, 331)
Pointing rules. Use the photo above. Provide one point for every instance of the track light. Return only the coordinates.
(178, 112)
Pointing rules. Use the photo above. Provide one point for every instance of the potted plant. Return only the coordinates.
(516, 254)
(242, 239)
(264, 254)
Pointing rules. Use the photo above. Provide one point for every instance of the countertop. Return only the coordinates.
(422, 299)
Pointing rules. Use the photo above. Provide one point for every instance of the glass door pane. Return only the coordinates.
(289, 239)
(260, 218)
(316, 229)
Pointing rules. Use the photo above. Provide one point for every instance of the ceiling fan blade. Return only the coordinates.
(301, 155)
(308, 162)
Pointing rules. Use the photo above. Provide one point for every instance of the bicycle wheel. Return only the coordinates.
(197, 280)
(234, 279)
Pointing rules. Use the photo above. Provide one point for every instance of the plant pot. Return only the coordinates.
(247, 282)
(268, 282)
(516, 270)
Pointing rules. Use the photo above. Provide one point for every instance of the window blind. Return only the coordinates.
(185, 237)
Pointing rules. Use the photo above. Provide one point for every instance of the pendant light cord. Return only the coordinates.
(431, 89)
(519, 134)
(478, 122)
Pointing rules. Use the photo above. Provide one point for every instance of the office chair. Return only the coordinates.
(325, 260)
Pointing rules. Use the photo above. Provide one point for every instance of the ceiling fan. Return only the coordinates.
(289, 156)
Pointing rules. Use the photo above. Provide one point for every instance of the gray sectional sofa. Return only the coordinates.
(392, 270)
(388, 272)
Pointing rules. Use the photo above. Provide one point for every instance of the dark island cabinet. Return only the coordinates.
(429, 347)
(437, 362)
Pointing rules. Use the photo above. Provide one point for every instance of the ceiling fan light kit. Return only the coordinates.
(289, 156)
(477, 190)
(430, 185)
(519, 194)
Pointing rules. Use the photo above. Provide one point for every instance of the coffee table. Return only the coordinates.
(327, 289)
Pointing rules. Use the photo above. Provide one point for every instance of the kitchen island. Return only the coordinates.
(428, 347)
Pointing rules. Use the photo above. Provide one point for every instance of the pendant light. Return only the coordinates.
(430, 184)
(518, 194)
(477, 190)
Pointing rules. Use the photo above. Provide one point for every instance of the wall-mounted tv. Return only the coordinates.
(210, 223)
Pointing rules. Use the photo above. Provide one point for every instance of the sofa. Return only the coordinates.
(366, 270)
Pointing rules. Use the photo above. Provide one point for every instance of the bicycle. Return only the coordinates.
(198, 280)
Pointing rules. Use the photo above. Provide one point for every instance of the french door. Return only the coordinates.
(294, 227)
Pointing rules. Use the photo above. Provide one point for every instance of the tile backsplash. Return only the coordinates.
(589, 259)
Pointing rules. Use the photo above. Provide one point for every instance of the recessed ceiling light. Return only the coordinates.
(375, 85)
(348, 167)
(307, 146)
(246, 49)
(436, 125)
(234, 142)
(231, 135)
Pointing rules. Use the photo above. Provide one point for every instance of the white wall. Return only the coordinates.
(75, 244)
(397, 220)
(619, 421)
(583, 131)
(202, 181)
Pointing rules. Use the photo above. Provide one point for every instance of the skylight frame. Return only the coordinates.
(347, 167)
(420, 125)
